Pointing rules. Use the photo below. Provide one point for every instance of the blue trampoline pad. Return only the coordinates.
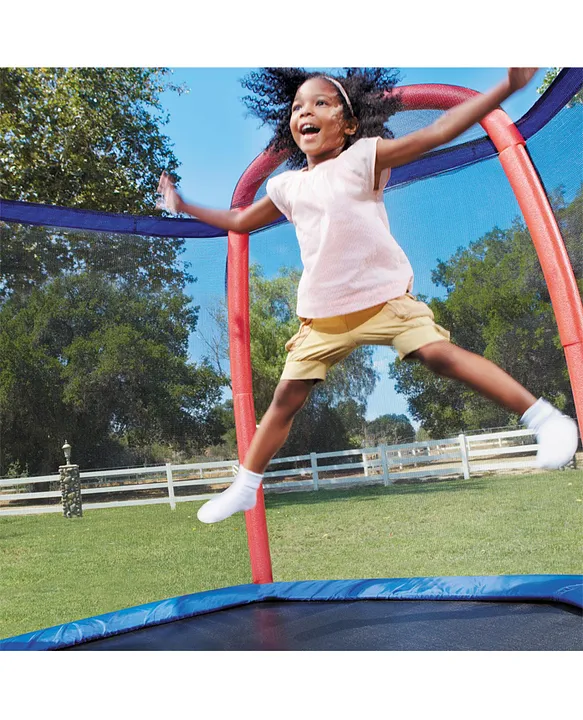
(529, 612)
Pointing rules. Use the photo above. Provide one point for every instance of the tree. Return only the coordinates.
(333, 417)
(93, 326)
(86, 138)
(549, 78)
(104, 365)
(497, 305)
(390, 429)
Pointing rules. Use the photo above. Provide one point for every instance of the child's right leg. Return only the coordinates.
(288, 399)
(409, 326)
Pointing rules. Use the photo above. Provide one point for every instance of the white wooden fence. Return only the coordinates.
(461, 456)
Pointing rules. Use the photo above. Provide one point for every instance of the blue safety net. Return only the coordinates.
(567, 84)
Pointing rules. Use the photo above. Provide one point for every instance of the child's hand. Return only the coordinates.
(519, 77)
(170, 199)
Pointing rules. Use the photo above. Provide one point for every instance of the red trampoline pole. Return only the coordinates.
(244, 409)
(240, 357)
(554, 260)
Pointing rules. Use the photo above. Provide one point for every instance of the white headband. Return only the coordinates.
(341, 90)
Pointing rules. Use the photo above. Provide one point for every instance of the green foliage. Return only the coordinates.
(84, 137)
(105, 366)
(390, 429)
(15, 470)
(549, 78)
(94, 327)
(422, 435)
(31, 255)
(498, 306)
(273, 321)
(88, 138)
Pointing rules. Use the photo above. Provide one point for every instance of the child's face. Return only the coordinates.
(317, 122)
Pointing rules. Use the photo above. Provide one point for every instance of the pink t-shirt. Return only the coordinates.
(351, 260)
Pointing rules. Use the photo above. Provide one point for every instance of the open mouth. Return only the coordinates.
(309, 130)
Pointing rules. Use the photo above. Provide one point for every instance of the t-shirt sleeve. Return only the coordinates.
(276, 191)
(360, 159)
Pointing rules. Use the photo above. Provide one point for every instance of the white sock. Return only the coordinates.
(241, 495)
(556, 434)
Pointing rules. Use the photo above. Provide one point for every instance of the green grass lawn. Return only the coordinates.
(54, 570)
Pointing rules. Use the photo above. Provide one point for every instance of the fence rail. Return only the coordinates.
(463, 456)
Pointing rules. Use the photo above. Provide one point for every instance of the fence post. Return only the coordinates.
(383, 454)
(464, 455)
(365, 463)
(314, 462)
(170, 486)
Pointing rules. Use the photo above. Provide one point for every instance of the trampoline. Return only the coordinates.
(507, 612)
(474, 613)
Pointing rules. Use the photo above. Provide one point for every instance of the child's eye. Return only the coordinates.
(320, 102)
(296, 107)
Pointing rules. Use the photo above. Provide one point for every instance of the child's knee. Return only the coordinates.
(291, 395)
(437, 356)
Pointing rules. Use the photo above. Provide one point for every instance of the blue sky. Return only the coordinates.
(215, 141)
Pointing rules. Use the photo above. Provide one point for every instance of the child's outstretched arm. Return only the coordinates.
(391, 153)
(254, 217)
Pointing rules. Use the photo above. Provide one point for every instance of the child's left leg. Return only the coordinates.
(556, 433)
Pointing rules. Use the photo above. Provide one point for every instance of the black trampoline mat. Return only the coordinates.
(364, 625)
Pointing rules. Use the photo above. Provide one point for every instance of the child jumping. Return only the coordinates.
(357, 282)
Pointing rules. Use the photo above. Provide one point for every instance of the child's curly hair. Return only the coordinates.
(274, 90)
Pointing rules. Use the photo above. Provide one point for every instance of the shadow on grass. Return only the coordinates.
(310, 497)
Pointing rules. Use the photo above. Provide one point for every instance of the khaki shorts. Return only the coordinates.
(405, 323)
